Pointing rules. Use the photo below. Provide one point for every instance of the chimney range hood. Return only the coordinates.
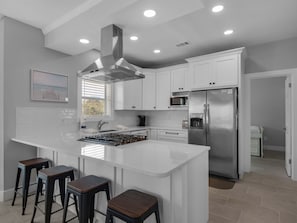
(111, 66)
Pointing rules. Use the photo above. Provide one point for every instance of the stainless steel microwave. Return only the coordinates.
(180, 100)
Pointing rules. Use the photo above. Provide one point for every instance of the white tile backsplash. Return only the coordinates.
(47, 120)
(165, 118)
(30, 120)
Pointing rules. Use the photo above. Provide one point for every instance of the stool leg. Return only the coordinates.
(91, 208)
(16, 185)
(62, 190)
(49, 191)
(157, 216)
(108, 218)
(66, 206)
(83, 209)
(26, 181)
(39, 189)
(75, 204)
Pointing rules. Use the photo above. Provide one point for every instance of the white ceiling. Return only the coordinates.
(65, 22)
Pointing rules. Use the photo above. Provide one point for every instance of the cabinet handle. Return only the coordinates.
(133, 106)
(213, 83)
(154, 107)
(210, 83)
(168, 106)
(171, 133)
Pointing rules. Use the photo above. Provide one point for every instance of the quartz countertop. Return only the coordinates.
(155, 158)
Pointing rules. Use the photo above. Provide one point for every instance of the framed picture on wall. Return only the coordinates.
(46, 86)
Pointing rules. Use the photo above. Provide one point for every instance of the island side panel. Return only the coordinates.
(100, 169)
(157, 186)
(198, 197)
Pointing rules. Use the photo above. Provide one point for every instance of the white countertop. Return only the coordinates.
(155, 158)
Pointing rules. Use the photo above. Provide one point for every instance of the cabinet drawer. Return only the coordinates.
(173, 136)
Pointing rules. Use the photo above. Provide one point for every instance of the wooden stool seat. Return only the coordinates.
(133, 206)
(55, 172)
(49, 176)
(26, 166)
(85, 189)
(33, 162)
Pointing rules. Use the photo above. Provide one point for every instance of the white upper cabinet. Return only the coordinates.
(215, 70)
(128, 95)
(149, 90)
(179, 80)
(163, 90)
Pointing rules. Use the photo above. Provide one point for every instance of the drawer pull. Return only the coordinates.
(171, 133)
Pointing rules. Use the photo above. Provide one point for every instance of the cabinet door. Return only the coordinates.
(149, 91)
(163, 90)
(202, 74)
(226, 71)
(179, 80)
(128, 95)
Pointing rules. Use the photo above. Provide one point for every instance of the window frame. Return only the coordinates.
(108, 103)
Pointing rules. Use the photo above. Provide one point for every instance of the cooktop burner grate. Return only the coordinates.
(113, 139)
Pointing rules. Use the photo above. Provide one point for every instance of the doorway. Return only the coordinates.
(267, 126)
(287, 75)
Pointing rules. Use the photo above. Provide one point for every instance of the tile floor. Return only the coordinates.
(266, 195)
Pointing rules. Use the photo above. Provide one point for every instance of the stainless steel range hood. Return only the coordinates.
(111, 66)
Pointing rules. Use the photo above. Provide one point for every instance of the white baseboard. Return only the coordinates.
(6, 195)
(274, 148)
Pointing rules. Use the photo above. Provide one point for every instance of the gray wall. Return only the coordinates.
(268, 109)
(272, 56)
(24, 49)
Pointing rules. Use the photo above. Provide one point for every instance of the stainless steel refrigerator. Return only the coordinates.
(213, 122)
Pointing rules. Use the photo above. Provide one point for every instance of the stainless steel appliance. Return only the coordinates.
(113, 139)
(213, 122)
(178, 100)
(111, 66)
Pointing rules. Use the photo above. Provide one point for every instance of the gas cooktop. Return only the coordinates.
(113, 139)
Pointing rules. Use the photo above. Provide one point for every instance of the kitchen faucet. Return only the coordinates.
(100, 124)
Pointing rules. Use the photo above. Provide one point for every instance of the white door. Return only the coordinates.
(288, 125)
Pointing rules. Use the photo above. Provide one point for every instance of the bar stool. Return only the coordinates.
(49, 176)
(26, 166)
(85, 189)
(132, 206)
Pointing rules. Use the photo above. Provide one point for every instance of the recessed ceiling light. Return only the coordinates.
(149, 13)
(84, 41)
(157, 51)
(134, 38)
(217, 8)
(228, 32)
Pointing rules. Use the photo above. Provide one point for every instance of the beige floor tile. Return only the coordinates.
(286, 217)
(217, 219)
(224, 211)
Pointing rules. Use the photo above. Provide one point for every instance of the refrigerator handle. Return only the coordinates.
(206, 118)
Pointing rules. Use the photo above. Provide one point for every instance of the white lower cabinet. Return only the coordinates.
(153, 134)
(173, 135)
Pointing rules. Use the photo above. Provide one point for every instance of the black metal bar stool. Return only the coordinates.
(85, 189)
(49, 176)
(26, 166)
(132, 206)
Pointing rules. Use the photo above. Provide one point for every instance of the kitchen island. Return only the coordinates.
(174, 172)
